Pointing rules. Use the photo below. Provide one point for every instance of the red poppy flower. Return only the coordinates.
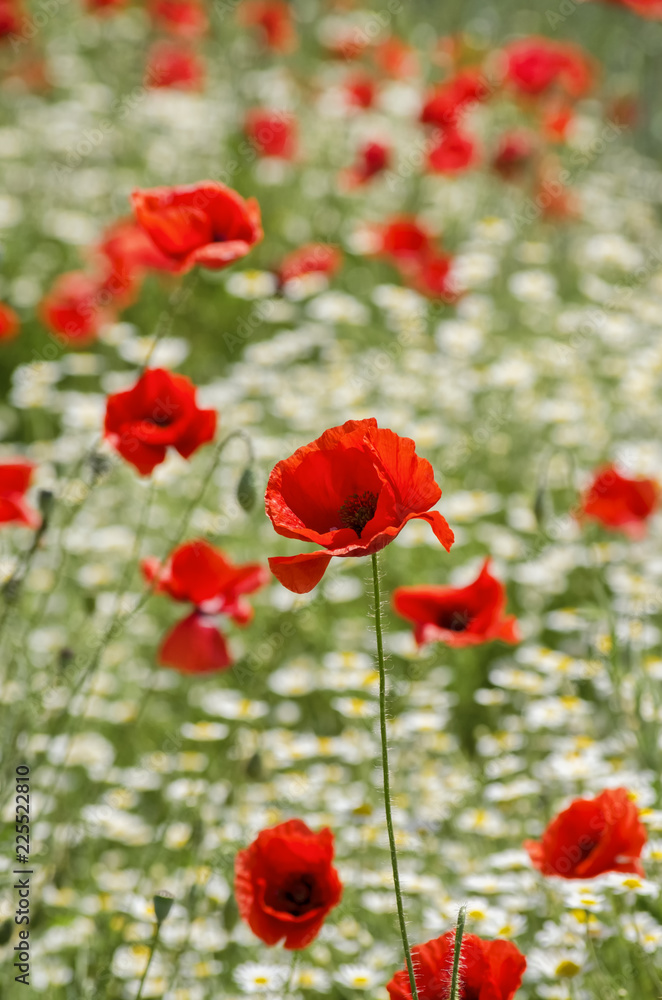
(202, 575)
(360, 90)
(618, 502)
(591, 837)
(274, 18)
(171, 64)
(453, 153)
(272, 133)
(14, 482)
(9, 323)
(351, 491)
(458, 616)
(186, 18)
(535, 65)
(489, 970)
(404, 240)
(651, 9)
(105, 6)
(395, 58)
(372, 159)
(205, 223)
(446, 105)
(514, 153)
(77, 306)
(11, 14)
(130, 252)
(433, 276)
(311, 258)
(285, 883)
(160, 411)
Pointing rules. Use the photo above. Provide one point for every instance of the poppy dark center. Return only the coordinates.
(160, 419)
(357, 510)
(455, 620)
(296, 896)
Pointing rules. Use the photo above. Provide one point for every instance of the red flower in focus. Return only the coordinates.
(9, 323)
(14, 482)
(11, 14)
(458, 616)
(272, 133)
(360, 90)
(618, 502)
(535, 65)
(198, 573)
(372, 159)
(205, 223)
(591, 837)
(171, 64)
(159, 412)
(77, 306)
(312, 258)
(186, 18)
(274, 18)
(285, 883)
(351, 491)
(514, 153)
(453, 153)
(489, 970)
(446, 105)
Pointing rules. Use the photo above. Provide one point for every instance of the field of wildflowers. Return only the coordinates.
(330, 541)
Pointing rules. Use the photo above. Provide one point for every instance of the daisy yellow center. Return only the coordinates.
(357, 510)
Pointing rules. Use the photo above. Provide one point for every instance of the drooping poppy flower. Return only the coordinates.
(186, 18)
(372, 159)
(77, 306)
(351, 491)
(535, 65)
(272, 133)
(205, 223)
(591, 837)
(9, 323)
(446, 105)
(200, 574)
(453, 154)
(458, 616)
(171, 64)
(274, 19)
(14, 482)
(514, 153)
(312, 258)
(619, 502)
(159, 412)
(285, 883)
(489, 970)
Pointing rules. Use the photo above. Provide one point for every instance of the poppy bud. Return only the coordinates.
(5, 931)
(163, 901)
(254, 767)
(246, 494)
(230, 913)
(46, 501)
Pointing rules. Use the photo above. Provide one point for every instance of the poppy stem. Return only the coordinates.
(152, 949)
(459, 934)
(387, 780)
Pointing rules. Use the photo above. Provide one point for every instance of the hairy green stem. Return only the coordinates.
(152, 949)
(387, 780)
(459, 934)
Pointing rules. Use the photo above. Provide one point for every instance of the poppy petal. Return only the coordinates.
(195, 646)
(300, 573)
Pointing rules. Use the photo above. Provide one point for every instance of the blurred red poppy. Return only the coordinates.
(285, 883)
(77, 306)
(128, 252)
(514, 153)
(312, 258)
(445, 106)
(651, 9)
(172, 64)
(159, 412)
(274, 19)
(405, 240)
(621, 503)
(351, 491)
(186, 18)
(453, 154)
(14, 482)
(490, 970)
(372, 159)
(9, 323)
(591, 837)
(201, 574)
(205, 223)
(535, 65)
(272, 133)
(11, 18)
(360, 90)
(395, 58)
(458, 616)
(433, 277)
